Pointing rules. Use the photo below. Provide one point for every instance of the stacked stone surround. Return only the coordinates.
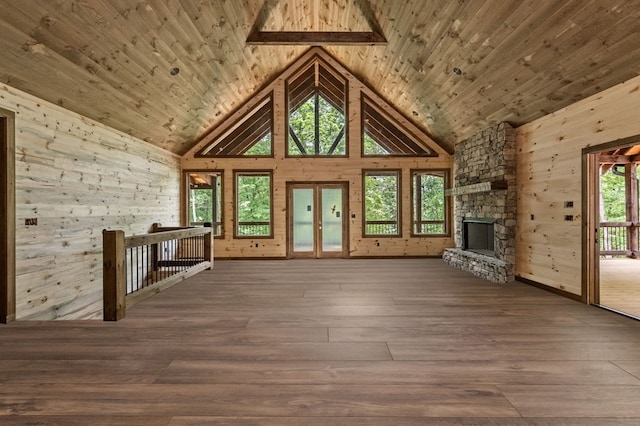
(489, 156)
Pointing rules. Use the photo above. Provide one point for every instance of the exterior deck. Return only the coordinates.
(620, 285)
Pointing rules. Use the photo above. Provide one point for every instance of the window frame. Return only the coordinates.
(447, 202)
(251, 172)
(398, 174)
(186, 198)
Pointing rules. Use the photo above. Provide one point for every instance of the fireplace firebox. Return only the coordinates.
(477, 234)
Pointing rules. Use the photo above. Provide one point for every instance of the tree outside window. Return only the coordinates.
(317, 128)
(381, 203)
(430, 211)
(253, 204)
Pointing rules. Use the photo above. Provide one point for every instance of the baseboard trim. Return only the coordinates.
(576, 297)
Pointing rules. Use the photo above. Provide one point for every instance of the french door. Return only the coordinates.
(317, 222)
(612, 227)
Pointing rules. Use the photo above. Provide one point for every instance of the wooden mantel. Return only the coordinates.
(476, 188)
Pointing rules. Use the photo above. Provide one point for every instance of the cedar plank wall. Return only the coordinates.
(294, 169)
(549, 172)
(78, 177)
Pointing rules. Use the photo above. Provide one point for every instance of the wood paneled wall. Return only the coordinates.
(549, 174)
(288, 169)
(76, 177)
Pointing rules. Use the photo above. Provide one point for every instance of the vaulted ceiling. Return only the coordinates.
(452, 67)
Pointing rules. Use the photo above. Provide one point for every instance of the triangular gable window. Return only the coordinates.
(317, 112)
(250, 136)
(383, 136)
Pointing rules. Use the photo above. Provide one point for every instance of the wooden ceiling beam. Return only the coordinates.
(316, 38)
(618, 159)
(368, 14)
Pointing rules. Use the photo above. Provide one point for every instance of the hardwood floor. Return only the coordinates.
(329, 342)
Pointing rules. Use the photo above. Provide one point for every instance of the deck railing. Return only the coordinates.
(381, 227)
(619, 239)
(139, 266)
(256, 229)
(429, 227)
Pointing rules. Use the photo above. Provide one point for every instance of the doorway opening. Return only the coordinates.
(614, 227)
(317, 226)
(7, 220)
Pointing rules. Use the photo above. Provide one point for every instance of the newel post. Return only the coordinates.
(208, 247)
(154, 249)
(114, 285)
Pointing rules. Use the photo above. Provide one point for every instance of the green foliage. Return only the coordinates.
(433, 201)
(613, 198)
(429, 202)
(201, 206)
(381, 196)
(330, 124)
(260, 148)
(254, 198)
(371, 147)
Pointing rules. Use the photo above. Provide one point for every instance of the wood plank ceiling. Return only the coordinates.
(452, 67)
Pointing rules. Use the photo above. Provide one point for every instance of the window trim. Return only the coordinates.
(236, 174)
(185, 198)
(447, 203)
(396, 172)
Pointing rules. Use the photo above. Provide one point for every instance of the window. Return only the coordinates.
(382, 135)
(253, 206)
(250, 136)
(317, 104)
(430, 206)
(204, 200)
(381, 203)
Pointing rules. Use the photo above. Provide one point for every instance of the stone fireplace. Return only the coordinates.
(484, 195)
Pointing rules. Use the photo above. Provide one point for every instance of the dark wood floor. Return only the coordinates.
(329, 342)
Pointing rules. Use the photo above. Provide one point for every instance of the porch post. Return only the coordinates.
(631, 190)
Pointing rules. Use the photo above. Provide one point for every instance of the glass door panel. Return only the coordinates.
(332, 219)
(303, 220)
(316, 220)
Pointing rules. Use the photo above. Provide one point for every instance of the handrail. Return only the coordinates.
(158, 237)
(616, 224)
(139, 266)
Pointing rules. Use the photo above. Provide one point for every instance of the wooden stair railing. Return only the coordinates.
(139, 266)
